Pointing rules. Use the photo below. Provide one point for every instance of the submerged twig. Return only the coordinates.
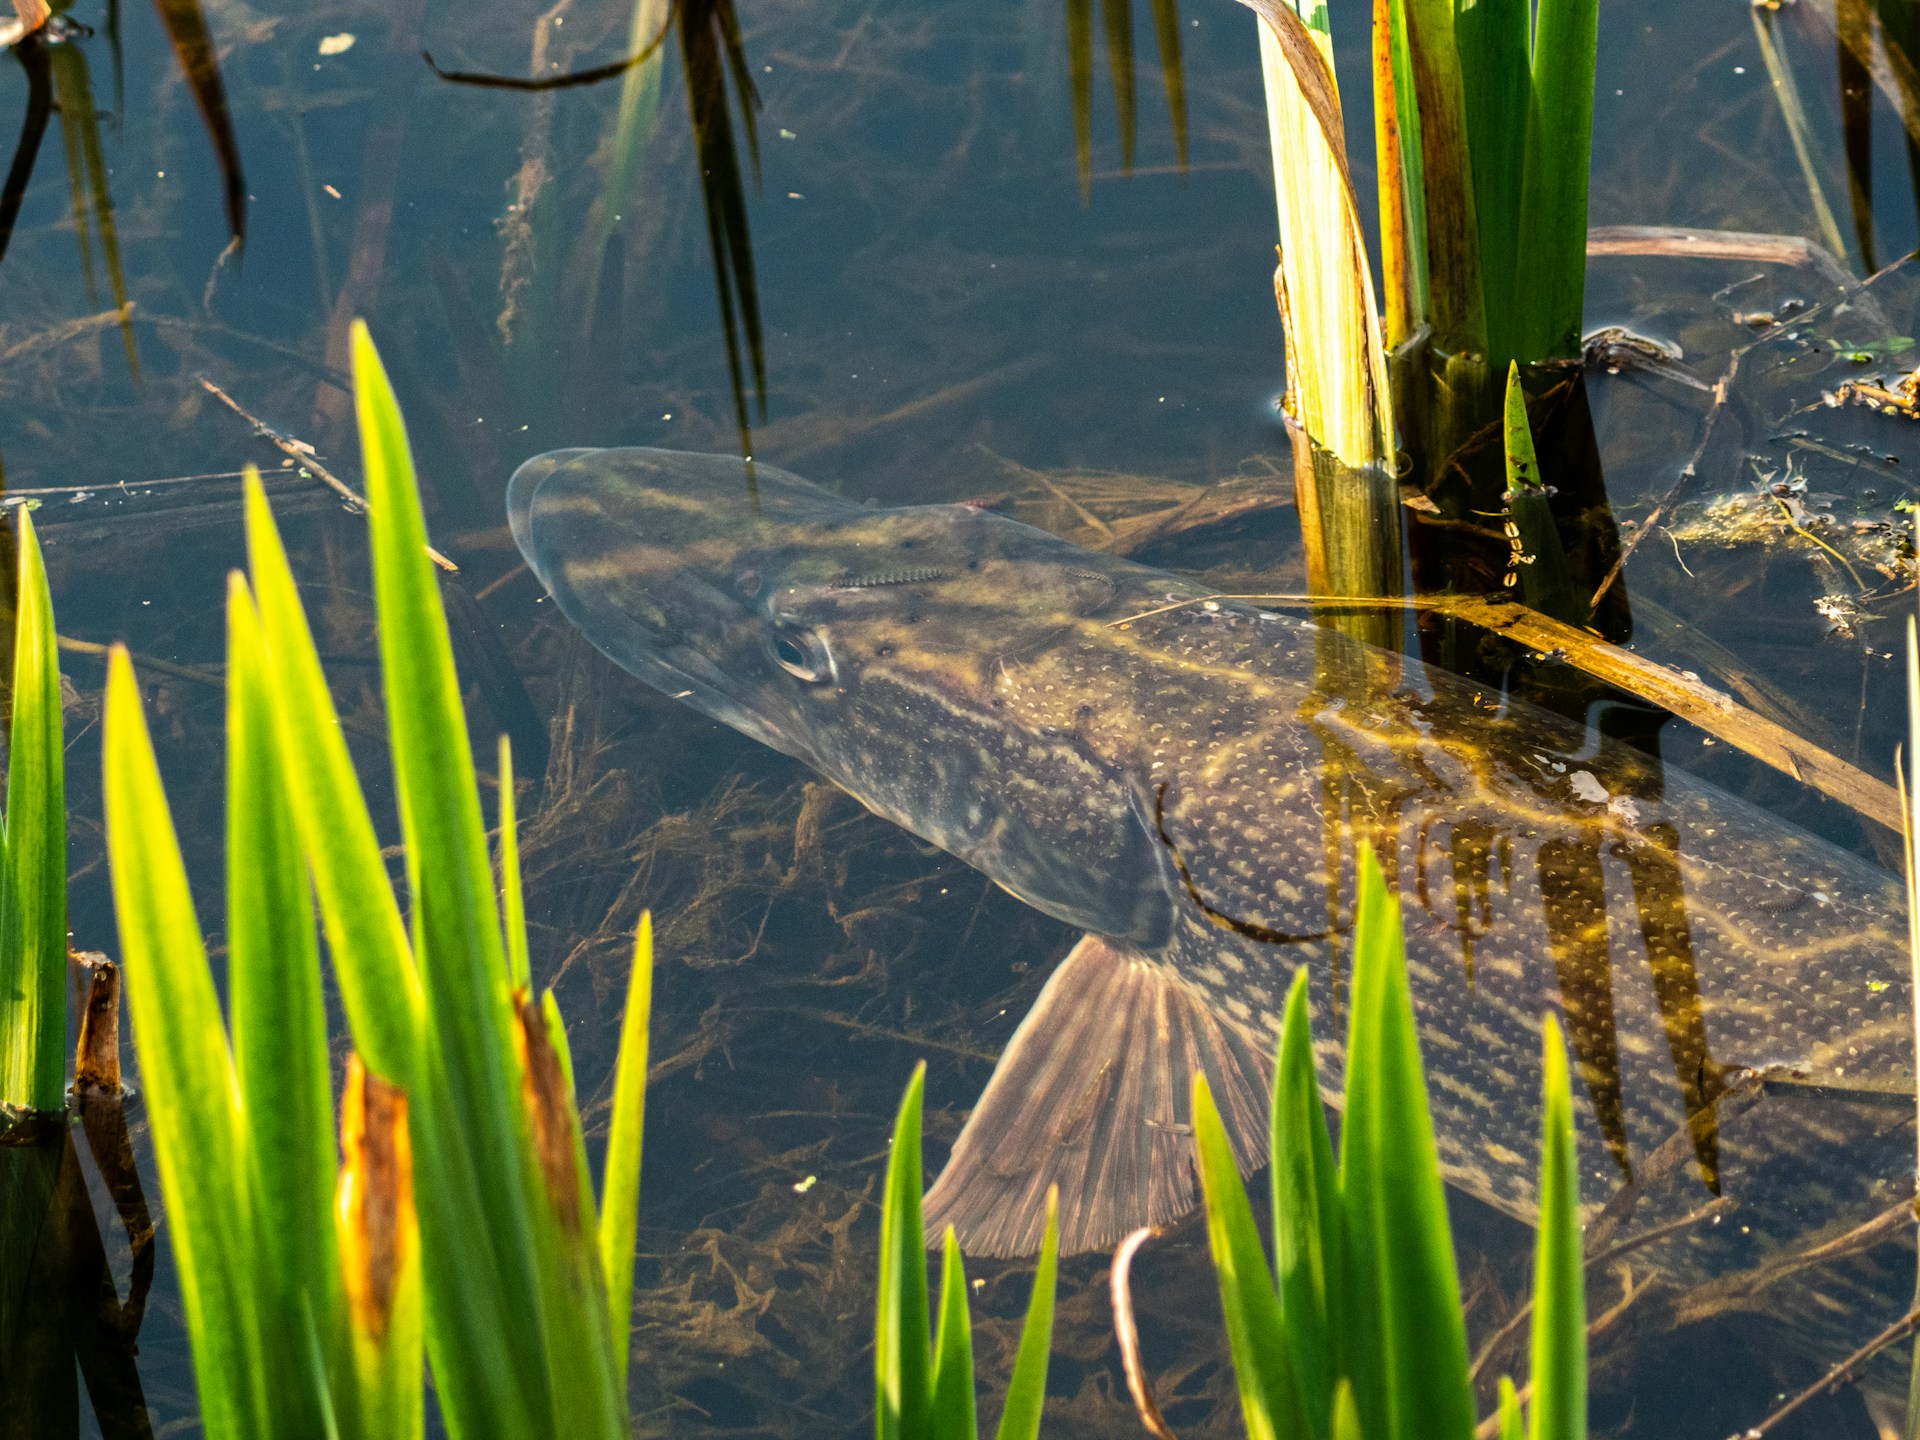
(1713, 711)
(302, 455)
(1841, 1374)
(1127, 1334)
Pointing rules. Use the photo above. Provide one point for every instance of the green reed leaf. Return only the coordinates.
(500, 1230)
(187, 1076)
(1495, 41)
(1559, 1407)
(902, 1362)
(620, 1189)
(1539, 570)
(368, 943)
(1308, 1249)
(513, 903)
(33, 882)
(279, 1016)
(1512, 1427)
(1456, 295)
(1408, 1357)
(1346, 1414)
(953, 1415)
(1027, 1386)
(1550, 266)
(1270, 1395)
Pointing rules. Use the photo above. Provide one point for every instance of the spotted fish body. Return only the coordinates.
(1187, 777)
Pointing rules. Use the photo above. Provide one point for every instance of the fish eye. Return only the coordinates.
(801, 653)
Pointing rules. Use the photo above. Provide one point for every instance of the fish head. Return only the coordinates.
(784, 610)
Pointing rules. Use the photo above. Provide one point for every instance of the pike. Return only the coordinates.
(1185, 777)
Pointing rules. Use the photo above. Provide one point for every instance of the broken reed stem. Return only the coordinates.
(1713, 711)
(1127, 1333)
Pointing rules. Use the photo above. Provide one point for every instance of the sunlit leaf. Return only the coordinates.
(1270, 1398)
(1027, 1387)
(902, 1361)
(1308, 1250)
(33, 875)
(1408, 1347)
(279, 1019)
(952, 1397)
(620, 1190)
(1558, 1410)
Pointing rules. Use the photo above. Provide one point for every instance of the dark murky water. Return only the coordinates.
(945, 317)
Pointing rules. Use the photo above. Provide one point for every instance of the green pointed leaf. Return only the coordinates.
(1308, 1250)
(278, 1012)
(513, 903)
(1270, 1399)
(187, 1076)
(1346, 1414)
(1550, 276)
(953, 1407)
(902, 1361)
(367, 941)
(620, 1190)
(1495, 38)
(1539, 567)
(1408, 1351)
(1027, 1387)
(1511, 1425)
(1559, 1407)
(33, 880)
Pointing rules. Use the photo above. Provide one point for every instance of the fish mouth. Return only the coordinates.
(523, 487)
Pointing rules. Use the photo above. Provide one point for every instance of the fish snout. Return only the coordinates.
(525, 483)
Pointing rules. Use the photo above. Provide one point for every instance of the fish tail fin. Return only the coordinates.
(1093, 1094)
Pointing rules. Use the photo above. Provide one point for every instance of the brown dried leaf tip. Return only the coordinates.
(377, 1225)
(543, 1085)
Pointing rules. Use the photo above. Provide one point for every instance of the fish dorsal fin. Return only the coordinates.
(1093, 1095)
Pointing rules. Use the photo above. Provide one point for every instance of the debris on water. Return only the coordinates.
(1843, 613)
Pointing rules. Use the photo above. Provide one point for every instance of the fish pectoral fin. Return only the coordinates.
(1093, 1094)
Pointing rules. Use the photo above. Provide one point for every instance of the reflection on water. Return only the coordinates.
(941, 316)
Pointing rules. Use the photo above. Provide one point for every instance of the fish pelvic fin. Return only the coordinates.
(1093, 1094)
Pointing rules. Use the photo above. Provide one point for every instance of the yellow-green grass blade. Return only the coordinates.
(1456, 301)
(368, 943)
(482, 1236)
(587, 1398)
(1414, 1345)
(1550, 272)
(620, 1189)
(902, 1362)
(1512, 1426)
(188, 1079)
(1346, 1414)
(1336, 369)
(33, 880)
(278, 1012)
(953, 1408)
(1539, 565)
(512, 898)
(1270, 1399)
(1496, 82)
(1027, 1386)
(1307, 1246)
(1559, 1407)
